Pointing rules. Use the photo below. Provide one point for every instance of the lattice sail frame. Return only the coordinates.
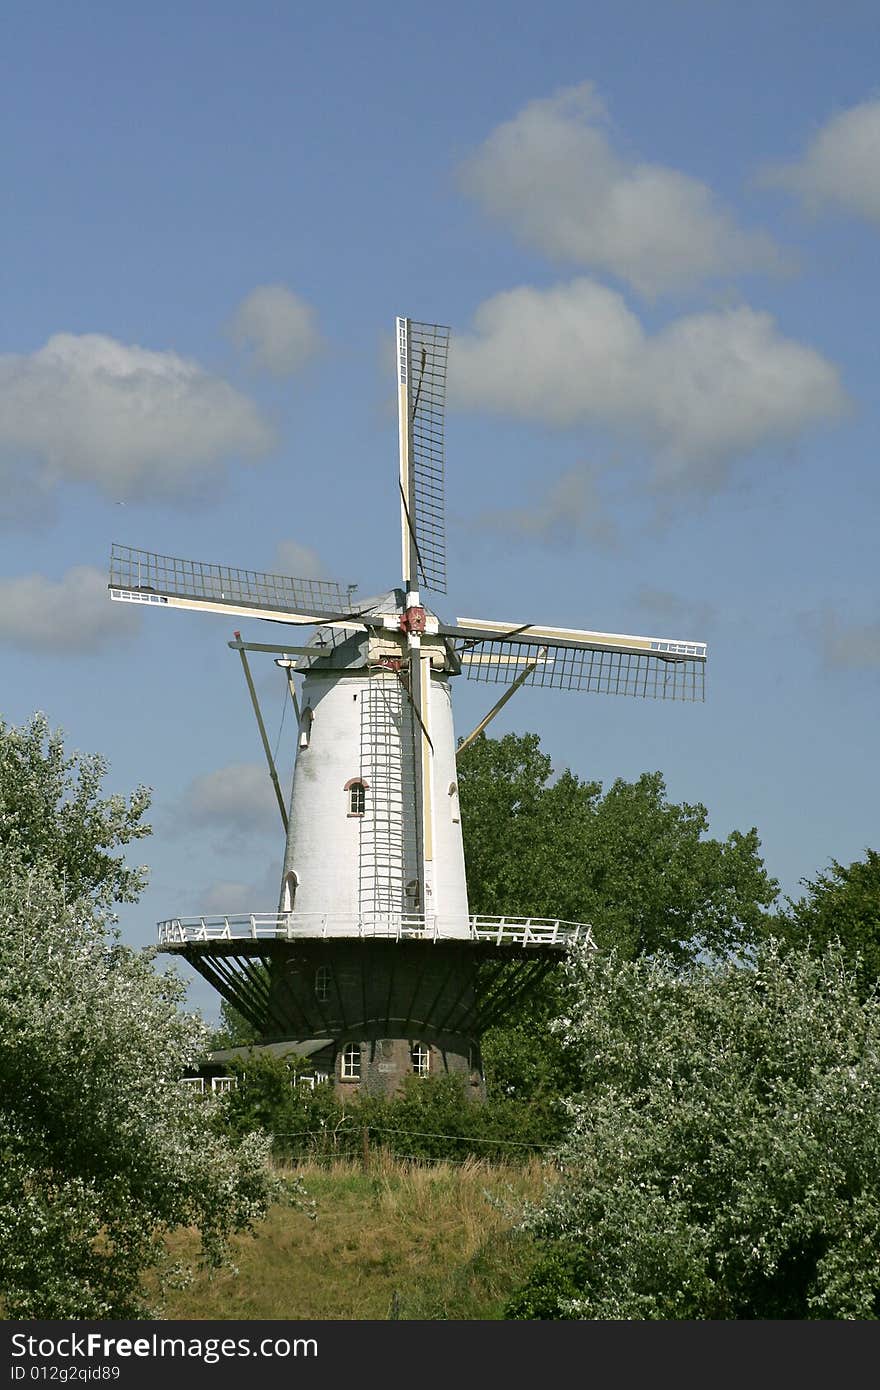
(423, 350)
(646, 674)
(141, 576)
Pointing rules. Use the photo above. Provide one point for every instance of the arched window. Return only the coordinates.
(288, 897)
(350, 1069)
(305, 726)
(420, 1056)
(453, 802)
(357, 796)
(323, 978)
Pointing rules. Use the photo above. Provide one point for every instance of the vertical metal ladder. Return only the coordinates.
(385, 767)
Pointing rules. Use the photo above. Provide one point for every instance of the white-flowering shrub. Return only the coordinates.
(102, 1153)
(724, 1160)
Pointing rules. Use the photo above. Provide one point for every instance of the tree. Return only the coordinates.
(637, 867)
(102, 1152)
(724, 1158)
(51, 814)
(842, 905)
(640, 869)
(234, 1029)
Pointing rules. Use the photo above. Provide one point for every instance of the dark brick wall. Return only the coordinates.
(385, 997)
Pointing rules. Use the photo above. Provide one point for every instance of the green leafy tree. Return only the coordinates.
(724, 1156)
(103, 1154)
(269, 1096)
(52, 815)
(842, 905)
(234, 1029)
(641, 869)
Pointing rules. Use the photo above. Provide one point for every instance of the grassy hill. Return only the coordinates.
(397, 1240)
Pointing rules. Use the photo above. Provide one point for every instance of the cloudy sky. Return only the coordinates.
(653, 230)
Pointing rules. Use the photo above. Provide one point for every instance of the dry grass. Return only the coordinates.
(425, 1241)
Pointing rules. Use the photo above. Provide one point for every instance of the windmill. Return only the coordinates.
(373, 965)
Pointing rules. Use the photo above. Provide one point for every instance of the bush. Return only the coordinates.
(432, 1118)
(724, 1156)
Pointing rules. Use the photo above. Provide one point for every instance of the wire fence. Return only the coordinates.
(354, 1140)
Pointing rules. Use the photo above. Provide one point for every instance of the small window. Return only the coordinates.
(420, 1056)
(305, 727)
(454, 803)
(357, 798)
(196, 1084)
(291, 883)
(323, 978)
(221, 1084)
(351, 1062)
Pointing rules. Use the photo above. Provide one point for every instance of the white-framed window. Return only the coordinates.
(311, 1081)
(350, 1066)
(196, 1084)
(220, 1084)
(420, 1056)
(453, 802)
(357, 796)
(323, 979)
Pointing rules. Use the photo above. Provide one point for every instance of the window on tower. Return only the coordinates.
(322, 983)
(420, 1056)
(350, 1067)
(291, 883)
(357, 796)
(305, 727)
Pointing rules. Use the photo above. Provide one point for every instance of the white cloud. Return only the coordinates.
(841, 165)
(551, 173)
(27, 497)
(700, 391)
(238, 797)
(132, 421)
(277, 327)
(690, 618)
(252, 886)
(850, 648)
(570, 507)
(73, 614)
(296, 560)
(231, 897)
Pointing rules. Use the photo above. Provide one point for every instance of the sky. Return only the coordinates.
(653, 231)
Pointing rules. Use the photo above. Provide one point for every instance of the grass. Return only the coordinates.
(398, 1240)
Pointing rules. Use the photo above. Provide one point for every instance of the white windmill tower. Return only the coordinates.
(373, 964)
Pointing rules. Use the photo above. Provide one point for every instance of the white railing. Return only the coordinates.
(396, 926)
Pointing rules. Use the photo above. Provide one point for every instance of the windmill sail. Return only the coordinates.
(660, 668)
(422, 351)
(141, 576)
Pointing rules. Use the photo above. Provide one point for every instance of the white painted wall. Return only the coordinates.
(324, 845)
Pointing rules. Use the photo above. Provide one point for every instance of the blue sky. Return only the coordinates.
(653, 230)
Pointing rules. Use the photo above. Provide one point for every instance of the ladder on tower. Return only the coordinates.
(387, 858)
